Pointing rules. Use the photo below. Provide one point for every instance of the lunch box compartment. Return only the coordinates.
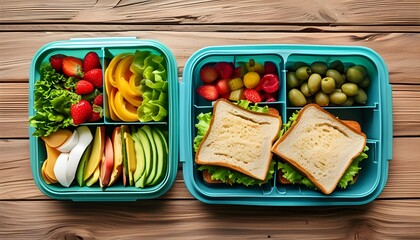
(107, 48)
(374, 117)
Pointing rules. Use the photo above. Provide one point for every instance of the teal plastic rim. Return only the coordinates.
(375, 118)
(79, 47)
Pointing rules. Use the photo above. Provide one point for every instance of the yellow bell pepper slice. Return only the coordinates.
(124, 110)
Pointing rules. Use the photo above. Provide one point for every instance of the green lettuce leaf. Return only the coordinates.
(224, 174)
(53, 98)
(229, 176)
(153, 86)
(295, 177)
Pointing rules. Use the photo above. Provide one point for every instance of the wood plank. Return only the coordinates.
(399, 50)
(383, 219)
(110, 27)
(14, 110)
(371, 12)
(17, 181)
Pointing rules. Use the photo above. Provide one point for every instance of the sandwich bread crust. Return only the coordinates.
(320, 146)
(239, 139)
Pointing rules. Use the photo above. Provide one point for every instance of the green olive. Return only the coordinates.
(355, 74)
(305, 89)
(291, 80)
(303, 73)
(314, 83)
(328, 84)
(296, 98)
(337, 65)
(361, 68)
(319, 67)
(350, 89)
(365, 82)
(361, 96)
(337, 97)
(338, 78)
(298, 65)
(322, 99)
(349, 102)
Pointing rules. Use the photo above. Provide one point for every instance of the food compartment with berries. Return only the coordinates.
(350, 83)
(88, 140)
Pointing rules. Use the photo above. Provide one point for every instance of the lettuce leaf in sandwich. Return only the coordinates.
(224, 174)
(295, 177)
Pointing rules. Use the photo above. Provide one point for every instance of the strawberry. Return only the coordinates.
(99, 100)
(208, 92)
(223, 87)
(56, 62)
(94, 116)
(208, 74)
(84, 87)
(72, 67)
(270, 68)
(252, 95)
(270, 83)
(80, 112)
(91, 61)
(224, 69)
(94, 76)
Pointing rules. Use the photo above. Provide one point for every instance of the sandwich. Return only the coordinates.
(320, 147)
(236, 146)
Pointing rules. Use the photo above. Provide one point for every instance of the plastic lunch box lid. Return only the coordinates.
(130, 43)
(180, 124)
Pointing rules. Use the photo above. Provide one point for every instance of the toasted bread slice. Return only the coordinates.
(320, 146)
(239, 139)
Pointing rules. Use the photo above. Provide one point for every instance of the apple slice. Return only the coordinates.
(85, 137)
(96, 154)
(131, 157)
(118, 157)
(107, 163)
(93, 178)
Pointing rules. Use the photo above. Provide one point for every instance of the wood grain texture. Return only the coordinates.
(400, 51)
(181, 219)
(16, 181)
(356, 12)
(14, 110)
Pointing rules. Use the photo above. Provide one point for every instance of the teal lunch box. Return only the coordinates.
(108, 48)
(375, 118)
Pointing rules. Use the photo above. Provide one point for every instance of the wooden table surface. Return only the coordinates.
(392, 28)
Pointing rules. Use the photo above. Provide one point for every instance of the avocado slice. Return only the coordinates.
(152, 173)
(140, 158)
(144, 141)
(82, 164)
(124, 128)
(162, 155)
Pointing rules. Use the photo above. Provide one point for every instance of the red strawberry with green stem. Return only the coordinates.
(99, 100)
(91, 61)
(72, 67)
(270, 83)
(56, 62)
(94, 76)
(84, 87)
(80, 112)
